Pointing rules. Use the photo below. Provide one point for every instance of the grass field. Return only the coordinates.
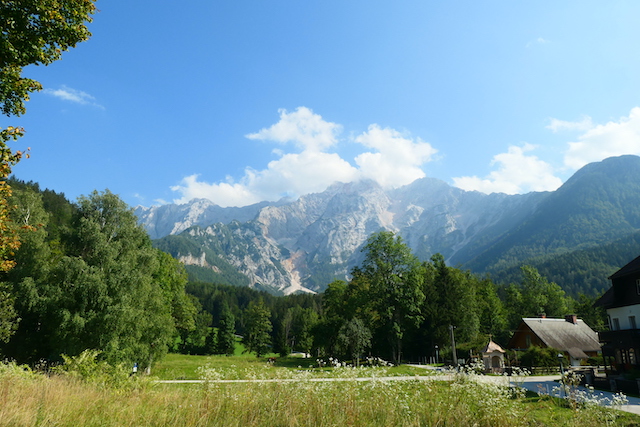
(110, 399)
(186, 367)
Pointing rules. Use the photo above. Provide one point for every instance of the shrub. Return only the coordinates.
(538, 356)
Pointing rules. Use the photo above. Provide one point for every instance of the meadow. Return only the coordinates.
(89, 394)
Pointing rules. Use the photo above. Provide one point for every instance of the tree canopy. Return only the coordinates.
(103, 287)
(396, 285)
(36, 32)
(32, 32)
(257, 338)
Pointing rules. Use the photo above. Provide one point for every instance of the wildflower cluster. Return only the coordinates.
(376, 361)
(494, 399)
(334, 362)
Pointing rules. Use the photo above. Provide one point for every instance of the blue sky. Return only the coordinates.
(250, 100)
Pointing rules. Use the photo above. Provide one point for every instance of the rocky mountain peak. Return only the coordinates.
(308, 242)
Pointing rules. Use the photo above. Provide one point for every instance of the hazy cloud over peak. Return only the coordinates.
(517, 172)
(393, 159)
(614, 138)
(397, 159)
(390, 158)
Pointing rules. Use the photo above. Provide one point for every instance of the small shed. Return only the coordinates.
(493, 358)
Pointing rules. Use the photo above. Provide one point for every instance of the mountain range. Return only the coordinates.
(304, 244)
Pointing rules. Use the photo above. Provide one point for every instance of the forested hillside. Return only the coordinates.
(598, 205)
(87, 277)
(394, 306)
(583, 271)
(209, 268)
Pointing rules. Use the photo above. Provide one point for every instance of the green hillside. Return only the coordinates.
(217, 270)
(582, 271)
(598, 205)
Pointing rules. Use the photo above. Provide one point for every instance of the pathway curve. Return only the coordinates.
(545, 384)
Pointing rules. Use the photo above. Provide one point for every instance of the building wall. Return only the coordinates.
(524, 338)
(624, 316)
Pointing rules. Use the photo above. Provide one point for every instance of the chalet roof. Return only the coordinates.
(565, 336)
(631, 267)
(607, 300)
(493, 347)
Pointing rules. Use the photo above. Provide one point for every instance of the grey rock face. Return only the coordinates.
(307, 243)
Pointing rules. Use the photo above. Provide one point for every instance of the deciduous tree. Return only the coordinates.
(104, 292)
(8, 315)
(396, 285)
(31, 32)
(36, 32)
(257, 338)
(354, 338)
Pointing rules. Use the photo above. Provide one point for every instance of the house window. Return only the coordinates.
(528, 340)
(618, 356)
(632, 356)
(632, 322)
(616, 324)
(610, 323)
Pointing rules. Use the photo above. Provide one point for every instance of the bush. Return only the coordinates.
(595, 361)
(88, 368)
(541, 357)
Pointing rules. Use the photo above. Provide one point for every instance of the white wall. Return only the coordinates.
(622, 314)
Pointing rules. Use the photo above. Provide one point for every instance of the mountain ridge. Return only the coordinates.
(304, 244)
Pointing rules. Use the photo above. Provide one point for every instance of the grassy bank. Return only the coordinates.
(30, 399)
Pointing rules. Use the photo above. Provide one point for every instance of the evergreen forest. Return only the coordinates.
(88, 277)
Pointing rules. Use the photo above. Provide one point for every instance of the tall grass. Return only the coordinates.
(187, 367)
(34, 399)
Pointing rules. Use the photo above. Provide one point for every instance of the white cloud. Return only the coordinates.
(599, 142)
(303, 127)
(307, 172)
(392, 160)
(397, 160)
(73, 95)
(539, 40)
(517, 173)
(291, 175)
(225, 193)
(559, 125)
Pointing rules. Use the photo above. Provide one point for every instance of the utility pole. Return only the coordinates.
(453, 346)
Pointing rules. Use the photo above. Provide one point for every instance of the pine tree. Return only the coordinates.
(226, 338)
(257, 338)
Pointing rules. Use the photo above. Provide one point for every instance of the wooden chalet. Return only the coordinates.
(621, 343)
(570, 336)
